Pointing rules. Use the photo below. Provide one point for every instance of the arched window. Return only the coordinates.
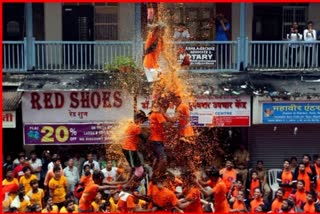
(13, 28)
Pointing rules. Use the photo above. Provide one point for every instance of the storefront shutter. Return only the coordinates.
(273, 145)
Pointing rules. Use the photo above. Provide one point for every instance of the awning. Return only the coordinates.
(69, 81)
(10, 100)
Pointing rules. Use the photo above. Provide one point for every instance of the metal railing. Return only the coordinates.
(205, 56)
(283, 55)
(14, 56)
(70, 55)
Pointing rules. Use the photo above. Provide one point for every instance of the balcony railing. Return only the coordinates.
(61, 55)
(14, 56)
(206, 56)
(283, 55)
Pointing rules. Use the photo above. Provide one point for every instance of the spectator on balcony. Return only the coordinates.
(222, 29)
(309, 35)
(181, 32)
(294, 49)
(150, 13)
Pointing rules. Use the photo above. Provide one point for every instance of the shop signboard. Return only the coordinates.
(67, 134)
(73, 117)
(9, 119)
(219, 111)
(290, 112)
(197, 55)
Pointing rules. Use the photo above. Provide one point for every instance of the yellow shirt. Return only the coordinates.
(36, 198)
(55, 209)
(26, 182)
(6, 203)
(58, 189)
(96, 206)
(64, 209)
(113, 206)
(6, 182)
(141, 203)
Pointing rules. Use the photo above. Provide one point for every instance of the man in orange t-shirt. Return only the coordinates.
(219, 191)
(303, 174)
(186, 133)
(192, 194)
(153, 46)
(317, 166)
(277, 202)
(130, 145)
(86, 179)
(311, 206)
(257, 201)
(286, 177)
(126, 201)
(163, 199)
(239, 205)
(229, 174)
(90, 192)
(158, 121)
(287, 207)
(300, 195)
(254, 182)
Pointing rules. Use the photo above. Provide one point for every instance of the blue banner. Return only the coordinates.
(291, 113)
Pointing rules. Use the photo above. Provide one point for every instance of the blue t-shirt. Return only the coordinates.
(221, 35)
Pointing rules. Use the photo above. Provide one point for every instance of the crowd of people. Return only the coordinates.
(49, 186)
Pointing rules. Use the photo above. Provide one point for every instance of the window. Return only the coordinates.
(13, 28)
(291, 14)
(196, 17)
(106, 23)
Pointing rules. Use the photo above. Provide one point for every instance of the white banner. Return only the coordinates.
(9, 119)
(106, 106)
(212, 111)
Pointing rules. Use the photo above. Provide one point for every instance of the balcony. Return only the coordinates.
(92, 56)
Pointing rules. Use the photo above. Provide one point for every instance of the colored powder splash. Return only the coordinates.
(114, 149)
(173, 82)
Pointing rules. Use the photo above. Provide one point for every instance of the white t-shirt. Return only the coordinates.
(181, 35)
(37, 163)
(309, 36)
(110, 175)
